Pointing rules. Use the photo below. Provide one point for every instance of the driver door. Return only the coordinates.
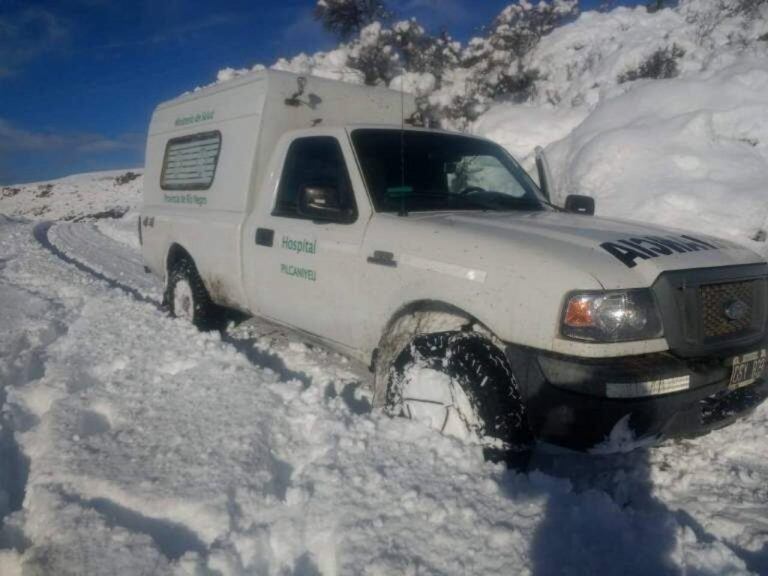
(302, 272)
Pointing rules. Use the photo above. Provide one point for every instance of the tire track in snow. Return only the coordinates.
(40, 233)
(279, 353)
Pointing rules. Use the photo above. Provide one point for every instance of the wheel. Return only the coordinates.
(461, 384)
(187, 297)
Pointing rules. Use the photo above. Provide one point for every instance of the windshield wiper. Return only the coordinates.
(556, 207)
(494, 199)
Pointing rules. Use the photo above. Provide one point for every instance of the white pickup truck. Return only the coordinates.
(483, 308)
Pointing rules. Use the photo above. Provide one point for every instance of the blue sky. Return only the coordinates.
(79, 78)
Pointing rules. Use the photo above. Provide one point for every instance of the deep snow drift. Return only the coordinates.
(691, 153)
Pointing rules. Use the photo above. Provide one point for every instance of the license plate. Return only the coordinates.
(747, 369)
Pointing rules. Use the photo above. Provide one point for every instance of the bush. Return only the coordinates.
(346, 18)
(125, 178)
(655, 6)
(520, 86)
(423, 53)
(748, 8)
(660, 64)
(374, 55)
(498, 61)
(44, 190)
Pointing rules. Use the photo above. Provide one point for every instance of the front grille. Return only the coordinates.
(717, 298)
(709, 310)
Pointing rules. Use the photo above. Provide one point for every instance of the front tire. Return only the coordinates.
(462, 385)
(187, 296)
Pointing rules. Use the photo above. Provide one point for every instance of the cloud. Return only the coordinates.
(27, 33)
(13, 139)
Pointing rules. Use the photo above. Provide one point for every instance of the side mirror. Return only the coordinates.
(321, 204)
(579, 204)
(545, 175)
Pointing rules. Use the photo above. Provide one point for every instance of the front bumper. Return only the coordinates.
(568, 401)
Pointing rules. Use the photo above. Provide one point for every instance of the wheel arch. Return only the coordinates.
(176, 253)
(461, 317)
(421, 317)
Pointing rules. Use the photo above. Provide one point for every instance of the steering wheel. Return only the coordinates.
(471, 190)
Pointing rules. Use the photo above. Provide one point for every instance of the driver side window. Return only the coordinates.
(313, 162)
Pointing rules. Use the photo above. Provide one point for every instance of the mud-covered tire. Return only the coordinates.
(486, 396)
(187, 297)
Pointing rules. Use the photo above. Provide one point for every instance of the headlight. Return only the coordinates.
(611, 316)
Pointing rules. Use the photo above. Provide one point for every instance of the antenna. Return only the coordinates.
(403, 211)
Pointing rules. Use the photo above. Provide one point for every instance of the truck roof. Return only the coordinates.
(282, 101)
(279, 77)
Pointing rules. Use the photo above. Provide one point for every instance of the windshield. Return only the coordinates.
(425, 171)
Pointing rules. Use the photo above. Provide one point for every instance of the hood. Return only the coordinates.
(617, 253)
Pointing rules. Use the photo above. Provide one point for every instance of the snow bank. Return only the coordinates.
(331, 65)
(95, 194)
(582, 63)
(687, 152)
(520, 128)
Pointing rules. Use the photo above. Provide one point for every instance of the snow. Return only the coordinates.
(520, 128)
(413, 83)
(138, 445)
(186, 455)
(686, 152)
(77, 196)
(155, 448)
(331, 65)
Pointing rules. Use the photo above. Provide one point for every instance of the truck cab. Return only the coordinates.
(485, 308)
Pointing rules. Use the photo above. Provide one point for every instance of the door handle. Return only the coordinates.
(265, 237)
(383, 259)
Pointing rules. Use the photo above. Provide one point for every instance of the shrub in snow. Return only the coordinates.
(655, 5)
(748, 8)
(423, 53)
(518, 85)
(520, 26)
(661, 64)
(498, 59)
(44, 190)
(125, 178)
(382, 54)
(374, 55)
(497, 64)
(726, 21)
(346, 18)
